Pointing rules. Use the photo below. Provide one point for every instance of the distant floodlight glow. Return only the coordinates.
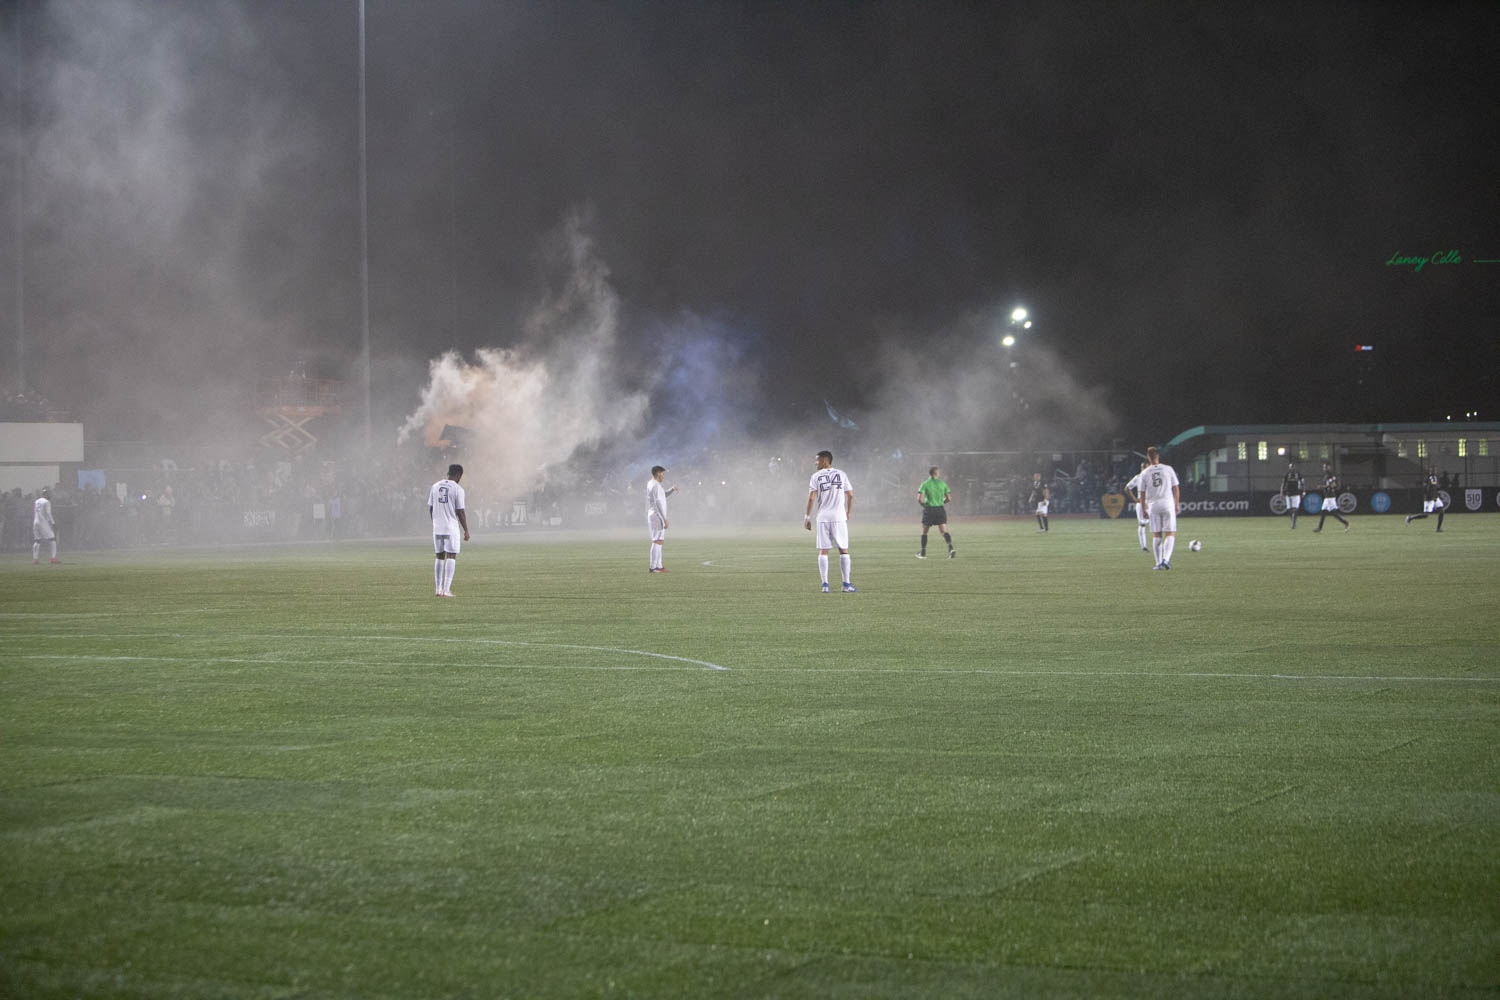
(1008, 340)
(1027, 324)
(1019, 314)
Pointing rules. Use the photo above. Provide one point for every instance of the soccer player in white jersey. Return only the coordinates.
(43, 528)
(445, 502)
(833, 493)
(1142, 520)
(1163, 496)
(656, 517)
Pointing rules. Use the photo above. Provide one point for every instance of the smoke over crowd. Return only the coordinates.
(582, 403)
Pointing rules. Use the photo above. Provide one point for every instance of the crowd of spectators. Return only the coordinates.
(277, 497)
(270, 499)
(27, 408)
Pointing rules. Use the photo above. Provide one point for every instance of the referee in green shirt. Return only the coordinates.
(933, 495)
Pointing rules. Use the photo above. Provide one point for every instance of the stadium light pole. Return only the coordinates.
(20, 211)
(364, 236)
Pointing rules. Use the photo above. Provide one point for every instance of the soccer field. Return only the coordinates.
(1039, 769)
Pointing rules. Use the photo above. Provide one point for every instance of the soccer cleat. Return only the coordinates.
(1159, 566)
(921, 555)
(56, 561)
(825, 588)
(850, 589)
(661, 569)
(952, 553)
(1408, 519)
(1346, 527)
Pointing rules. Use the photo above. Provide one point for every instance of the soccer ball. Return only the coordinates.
(1195, 546)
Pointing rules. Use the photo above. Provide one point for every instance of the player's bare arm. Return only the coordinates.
(807, 518)
(463, 522)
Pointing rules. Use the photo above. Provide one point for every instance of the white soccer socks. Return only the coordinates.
(843, 568)
(823, 567)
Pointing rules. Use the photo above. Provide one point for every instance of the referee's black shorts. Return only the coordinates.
(933, 516)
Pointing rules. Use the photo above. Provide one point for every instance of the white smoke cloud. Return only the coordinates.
(529, 408)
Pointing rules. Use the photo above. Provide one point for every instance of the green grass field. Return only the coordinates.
(1037, 770)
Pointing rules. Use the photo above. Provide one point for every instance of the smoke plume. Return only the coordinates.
(526, 410)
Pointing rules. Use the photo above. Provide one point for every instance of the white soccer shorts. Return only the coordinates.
(445, 543)
(1428, 506)
(1330, 503)
(833, 535)
(656, 526)
(1163, 517)
(1041, 508)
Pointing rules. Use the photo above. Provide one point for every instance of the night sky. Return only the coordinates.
(1198, 203)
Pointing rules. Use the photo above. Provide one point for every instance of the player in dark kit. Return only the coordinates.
(1330, 499)
(1291, 491)
(1431, 500)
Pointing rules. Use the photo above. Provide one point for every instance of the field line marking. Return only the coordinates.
(507, 642)
(307, 662)
(339, 638)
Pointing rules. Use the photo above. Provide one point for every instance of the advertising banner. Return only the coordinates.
(1353, 501)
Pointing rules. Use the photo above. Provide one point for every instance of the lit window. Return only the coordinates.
(1262, 450)
(1302, 450)
(1323, 452)
(1421, 448)
(1463, 447)
(1400, 449)
(1484, 447)
(1242, 451)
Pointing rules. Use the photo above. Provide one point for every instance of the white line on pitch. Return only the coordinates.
(310, 661)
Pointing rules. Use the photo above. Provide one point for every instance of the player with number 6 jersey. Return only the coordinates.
(1162, 493)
